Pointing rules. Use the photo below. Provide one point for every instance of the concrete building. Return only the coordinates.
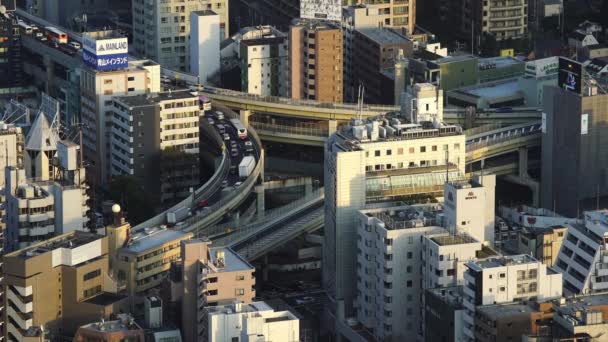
(12, 77)
(469, 207)
(250, 322)
(155, 138)
(11, 137)
(57, 285)
(581, 317)
(582, 257)
(511, 321)
(422, 100)
(161, 29)
(97, 88)
(38, 210)
(542, 243)
(204, 45)
(122, 329)
(443, 314)
(502, 19)
(263, 57)
(359, 161)
(375, 52)
(532, 218)
(505, 279)
(494, 69)
(573, 170)
(212, 277)
(146, 258)
(315, 61)
(40, 148)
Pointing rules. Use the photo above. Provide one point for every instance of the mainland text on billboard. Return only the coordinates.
(102, 47)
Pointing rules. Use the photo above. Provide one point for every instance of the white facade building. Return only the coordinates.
(583, 257)
(97, 90)
(469, 207)
(263, 60)
(39, 210)
(161, 29)
(506, 279)
(382, 159)
(204, 44)
(252, 322)
(423, 102)
(11, 148)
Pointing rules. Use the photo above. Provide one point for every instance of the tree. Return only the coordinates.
(128, 192)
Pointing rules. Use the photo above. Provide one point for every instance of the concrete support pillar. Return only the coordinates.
(49, 65)
(265, 269)
(236, 218)
(307, 186)
(259, 190)
(244, 116)
(523, 162)
(332, 126)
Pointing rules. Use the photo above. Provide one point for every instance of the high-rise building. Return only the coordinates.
(57, 285)
(97, 88)
(359, 161)
(582, 257)
(315, 61)
(11, 137)
(122, 329)
(204, 45)
(12, 78)
(574, 169)
(155, 137)
(263, 53)
(375, 52)
(63, 12)
(161, 29)
(249, 322)
(211, 276)
(443, 311)
(506, 279)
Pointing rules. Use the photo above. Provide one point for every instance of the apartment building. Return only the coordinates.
(211, 276)
(250, 322)
(443, 311)
(506, 279)
(359, 161)
(161, 29)
(391, 13)
(375, 52)
(542, 243)
(37, 210)
(512, 321)
(155, 138)
(97, 88)
(315, 61)
(583, 259)
(146, 259)
(57, 285)
(263, 56)
(122, 329)
(388, 259)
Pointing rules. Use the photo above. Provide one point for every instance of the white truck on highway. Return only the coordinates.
(246, 166)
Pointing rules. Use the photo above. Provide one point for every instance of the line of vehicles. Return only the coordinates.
(51, 35)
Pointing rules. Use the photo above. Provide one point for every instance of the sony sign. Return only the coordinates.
(102, 47)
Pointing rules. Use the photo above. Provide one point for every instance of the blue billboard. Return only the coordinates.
(105, 62)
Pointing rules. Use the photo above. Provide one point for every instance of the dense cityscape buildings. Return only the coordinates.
(303, 170)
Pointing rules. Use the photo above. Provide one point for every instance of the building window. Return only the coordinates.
(434, 148)
(107, 81)
(240, 292)
(377, 153)
(400, 151)
(451, 272)
(410, 240)
(240, 277)
(408, 269)
(410, 255)
(131, 78)
(235, 339)
(422, 149)
(92, 291)
(412, 150)
(389, 152)
(92, 274)
(502, 275)
(410, 283)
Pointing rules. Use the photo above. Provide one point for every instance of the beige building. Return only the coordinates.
(146, 257)
(210, 277)
(97, 88)
(543, 243)
(57, 285)
(161, 29)
(503, 19)
(395, 13)
(315, 61)
(124, 329)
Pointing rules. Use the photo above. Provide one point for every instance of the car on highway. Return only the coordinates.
(75, 45)
(211, 121)
(219, 115)
(226, 136)
(224, 184)
(237, 184)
